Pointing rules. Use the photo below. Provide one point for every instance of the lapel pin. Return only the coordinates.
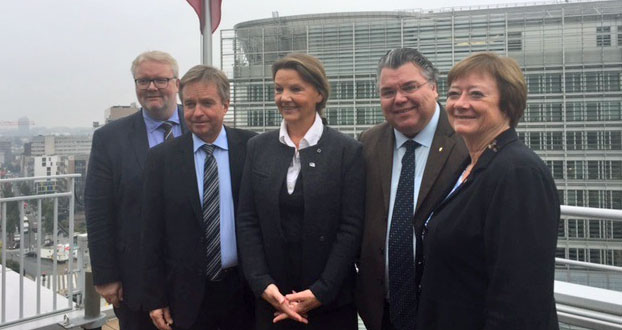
(319, 150)
(312, 164)
(440, 149)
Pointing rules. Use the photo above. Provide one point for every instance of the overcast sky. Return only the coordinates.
(63, 62)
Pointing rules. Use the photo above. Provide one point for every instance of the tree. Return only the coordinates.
(12, 210)
(47, 215)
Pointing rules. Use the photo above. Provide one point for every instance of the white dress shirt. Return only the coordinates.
(310, 139)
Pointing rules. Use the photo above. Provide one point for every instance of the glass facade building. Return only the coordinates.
(570, 53)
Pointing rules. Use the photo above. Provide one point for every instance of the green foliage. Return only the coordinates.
(12, 210)
(47, 215)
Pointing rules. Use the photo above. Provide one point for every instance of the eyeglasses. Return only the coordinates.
(158, 82)
(407, 89)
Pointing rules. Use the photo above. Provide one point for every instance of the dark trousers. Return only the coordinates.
(227, 305)
(341, 318)
(386, 318)
(133, 320)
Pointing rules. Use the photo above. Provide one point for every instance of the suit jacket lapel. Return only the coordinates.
(384, 150)
(281, 159)
(138, 139)
(236, 164)
(188, 175)
(440, 150)
(182, 121)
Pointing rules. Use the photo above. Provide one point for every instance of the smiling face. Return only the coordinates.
(204, 110)
(160, 103)
(473, 108)
(295, 98)
(407, 98)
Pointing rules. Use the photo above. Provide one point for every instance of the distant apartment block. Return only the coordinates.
(47, 166)
(60, 145)
(120, 111)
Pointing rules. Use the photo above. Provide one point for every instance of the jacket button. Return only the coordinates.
(322, 238)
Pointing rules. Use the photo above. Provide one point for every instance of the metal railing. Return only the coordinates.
(577, 305)
(587, 306)
(31, 294)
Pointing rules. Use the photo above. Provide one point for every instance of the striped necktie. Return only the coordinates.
(168, 130)
(211, 213)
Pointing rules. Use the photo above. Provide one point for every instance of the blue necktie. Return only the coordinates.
(211, 213)
(401, 259)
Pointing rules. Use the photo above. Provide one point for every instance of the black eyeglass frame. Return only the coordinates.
(144, 83)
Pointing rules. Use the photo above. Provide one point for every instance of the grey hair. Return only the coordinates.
(397, 57)
(155, 56)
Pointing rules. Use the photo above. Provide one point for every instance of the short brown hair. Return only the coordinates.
(206, 74)
(508, 75)
(310, 70)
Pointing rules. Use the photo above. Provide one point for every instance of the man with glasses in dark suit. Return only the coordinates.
(114, 185)
(410, 161)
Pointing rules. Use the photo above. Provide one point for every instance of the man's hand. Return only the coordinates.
(112, 292)
(161, 318)
(278, 301)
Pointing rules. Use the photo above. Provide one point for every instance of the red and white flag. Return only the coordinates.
(214, 12)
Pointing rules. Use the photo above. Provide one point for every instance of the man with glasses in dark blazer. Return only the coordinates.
(114, 185)
(411, 160)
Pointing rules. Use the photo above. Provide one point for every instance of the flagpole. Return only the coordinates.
(207, 33)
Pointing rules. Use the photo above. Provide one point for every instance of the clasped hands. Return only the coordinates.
(293, 306)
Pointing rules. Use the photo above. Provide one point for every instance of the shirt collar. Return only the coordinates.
(153, 124)
(425, 137)
(311, 138)
(220, 142)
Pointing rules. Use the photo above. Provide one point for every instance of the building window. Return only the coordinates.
(603, 36)
(574, 169)
(557, 168)
(573, 82)
(619, 35)
(515, 41)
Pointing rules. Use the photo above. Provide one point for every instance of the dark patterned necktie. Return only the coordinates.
(401, 259)
(211, 213)
(168, 130)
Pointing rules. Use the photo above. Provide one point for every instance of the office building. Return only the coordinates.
(570, 53)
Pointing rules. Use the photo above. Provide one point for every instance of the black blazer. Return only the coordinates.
(490, 246)
(174, 258)
(334, 183)
(112, 202)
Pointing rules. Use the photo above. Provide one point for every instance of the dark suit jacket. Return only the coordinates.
(442, 169)
(334, 181)
(112, 200)
(490, 246)
(174, 257)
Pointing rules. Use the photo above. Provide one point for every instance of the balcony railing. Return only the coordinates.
(45, 286)
(59, 291)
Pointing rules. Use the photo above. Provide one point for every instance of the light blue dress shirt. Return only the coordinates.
(155, 133)
(424, 138)
(228, 247)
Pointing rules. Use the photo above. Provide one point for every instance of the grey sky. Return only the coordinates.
(63, 62)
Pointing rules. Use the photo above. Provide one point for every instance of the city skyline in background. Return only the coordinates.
(69, 61)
